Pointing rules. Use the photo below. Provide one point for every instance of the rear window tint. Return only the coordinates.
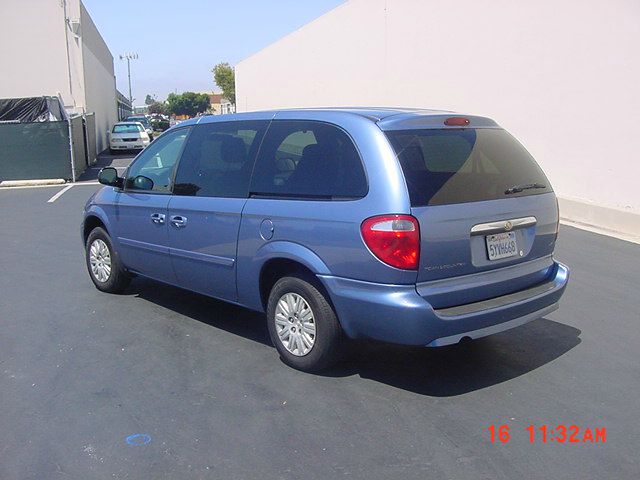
(465, 165)
(306, 159)
(127, 128)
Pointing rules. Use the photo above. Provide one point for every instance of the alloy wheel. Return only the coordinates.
(100, 260)
(295, 324)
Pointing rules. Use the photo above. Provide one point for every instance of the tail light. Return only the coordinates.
(394, 239)
(456, 122)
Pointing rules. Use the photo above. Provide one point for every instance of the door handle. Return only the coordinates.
(158, 218)
(178, 221)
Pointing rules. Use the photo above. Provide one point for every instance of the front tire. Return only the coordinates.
(303, 326)
(105, 269)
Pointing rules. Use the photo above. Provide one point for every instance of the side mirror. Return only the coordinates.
(109, 176)
(142, 183)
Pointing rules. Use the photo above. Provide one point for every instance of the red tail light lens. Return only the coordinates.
(456, 122)
(394, 239)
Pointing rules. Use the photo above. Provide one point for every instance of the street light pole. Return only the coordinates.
(128, 57)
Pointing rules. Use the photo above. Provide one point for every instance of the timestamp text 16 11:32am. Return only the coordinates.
(551, 434)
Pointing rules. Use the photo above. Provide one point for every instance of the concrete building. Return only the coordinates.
(124, 106)
(561, 75)
(52, 47)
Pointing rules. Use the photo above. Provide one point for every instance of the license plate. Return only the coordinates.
(501, 245)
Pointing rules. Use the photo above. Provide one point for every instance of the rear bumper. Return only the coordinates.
(398, 314)
(136, 145)
(132, 146)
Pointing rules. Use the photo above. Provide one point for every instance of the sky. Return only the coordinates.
(179, 41)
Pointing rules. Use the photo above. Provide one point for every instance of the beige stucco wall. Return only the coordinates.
(562, 75)
(99, 80)
(33, 48)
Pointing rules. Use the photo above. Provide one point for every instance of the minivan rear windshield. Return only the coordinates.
(465, 165)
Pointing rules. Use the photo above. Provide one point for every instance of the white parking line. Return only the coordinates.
(59, 194)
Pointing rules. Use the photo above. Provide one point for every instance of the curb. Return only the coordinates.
(601, 231)
(32, 183)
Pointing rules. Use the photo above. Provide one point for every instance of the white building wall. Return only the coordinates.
(562, 75)
(44, 55)
(32, 51)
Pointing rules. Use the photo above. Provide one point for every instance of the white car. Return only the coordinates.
(128, 136)
(144, 120)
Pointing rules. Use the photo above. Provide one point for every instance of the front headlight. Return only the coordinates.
(116, 139)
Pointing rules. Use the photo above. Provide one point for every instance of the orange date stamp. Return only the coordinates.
(551, 434)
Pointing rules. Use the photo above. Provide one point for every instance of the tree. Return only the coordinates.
(188, 103)
(157, 107)
(149, 99)
(225, 78)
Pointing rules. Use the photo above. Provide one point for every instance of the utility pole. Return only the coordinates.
(128, 57)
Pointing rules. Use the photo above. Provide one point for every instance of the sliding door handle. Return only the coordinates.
(178, 221)
(158, 218)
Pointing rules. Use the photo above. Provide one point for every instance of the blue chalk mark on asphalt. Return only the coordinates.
(138, 439)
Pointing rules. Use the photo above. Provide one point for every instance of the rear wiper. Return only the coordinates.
(520, 188)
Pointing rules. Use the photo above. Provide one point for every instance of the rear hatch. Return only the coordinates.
(486, 211)
(127, 132)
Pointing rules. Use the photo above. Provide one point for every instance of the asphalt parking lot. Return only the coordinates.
(161, 383)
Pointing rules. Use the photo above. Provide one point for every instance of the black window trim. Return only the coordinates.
(303, 197)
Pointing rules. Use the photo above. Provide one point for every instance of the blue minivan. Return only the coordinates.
(415, 227)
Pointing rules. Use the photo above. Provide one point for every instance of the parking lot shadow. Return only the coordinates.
(438, 372)
(231, 318)
(118, 160)
(466, 367)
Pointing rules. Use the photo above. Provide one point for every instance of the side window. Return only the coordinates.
(218, 159)
(308, 159)
(289, 152)
(153, 169)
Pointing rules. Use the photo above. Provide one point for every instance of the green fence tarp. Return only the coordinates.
(34, 151)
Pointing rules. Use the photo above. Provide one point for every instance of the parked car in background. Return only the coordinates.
(406, 226)
(144, 121)
(160, 122)
(128, 136)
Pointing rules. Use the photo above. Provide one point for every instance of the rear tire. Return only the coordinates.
(105, 269)
(303, 326)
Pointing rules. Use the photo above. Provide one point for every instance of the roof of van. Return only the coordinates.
(373, 113)
(387, 118)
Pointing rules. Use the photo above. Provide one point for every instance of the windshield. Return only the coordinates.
(142, 120)
(465, 165)
(127, 128)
